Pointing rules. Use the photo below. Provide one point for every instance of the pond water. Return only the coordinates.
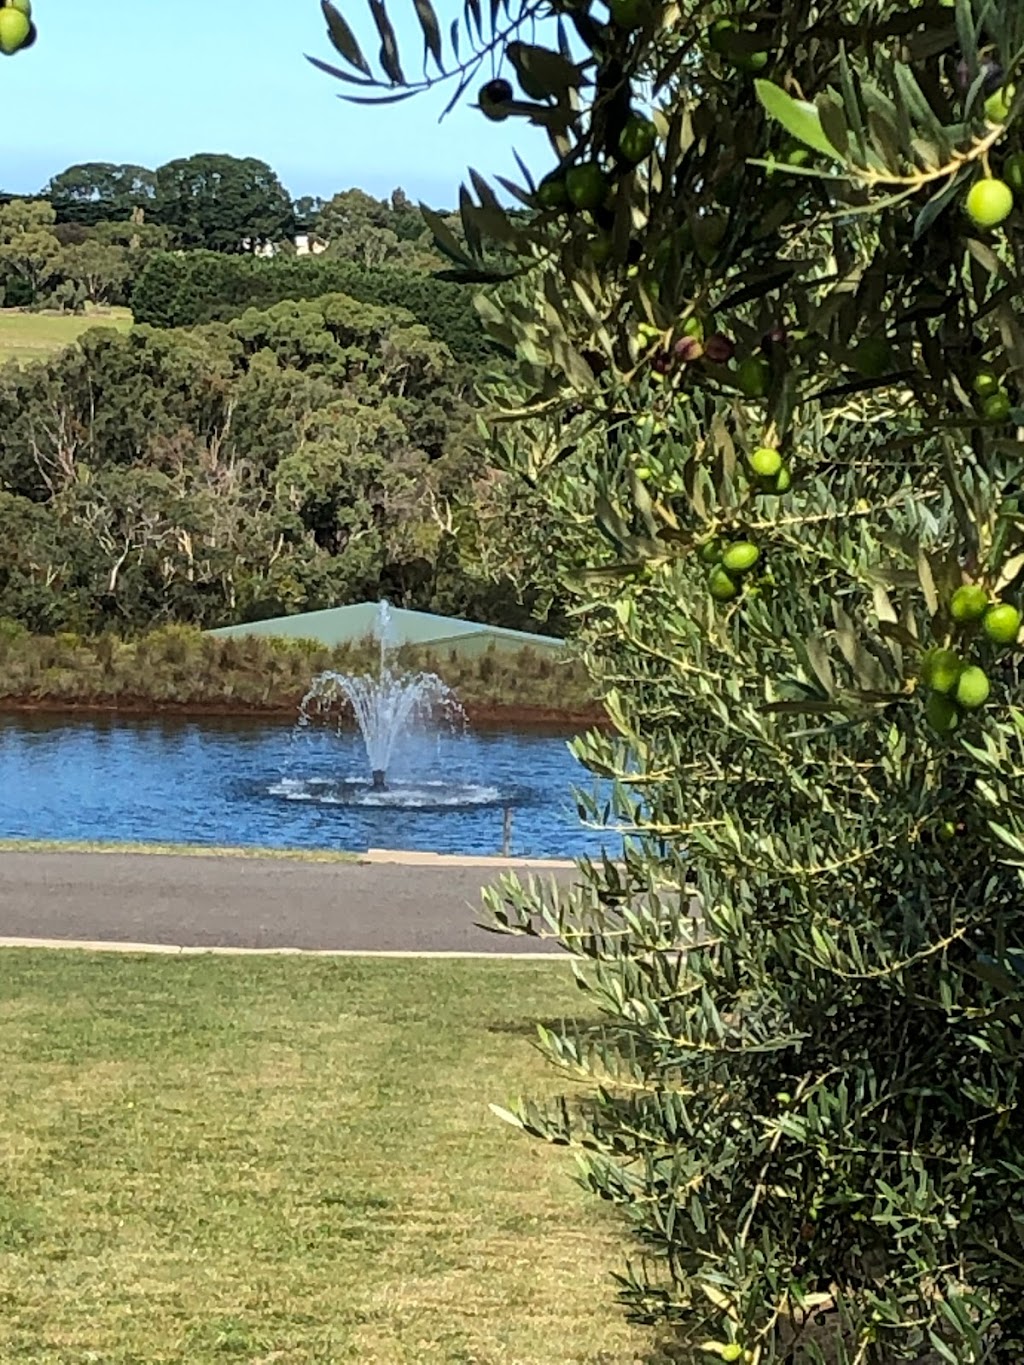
(264, 783)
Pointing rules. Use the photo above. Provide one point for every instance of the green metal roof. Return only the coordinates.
(344, 625)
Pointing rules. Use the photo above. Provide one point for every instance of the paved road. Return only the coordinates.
(247, 903)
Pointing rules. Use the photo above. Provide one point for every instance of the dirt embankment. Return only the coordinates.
(481, 715)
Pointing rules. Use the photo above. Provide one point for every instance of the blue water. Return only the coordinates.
(256, 783)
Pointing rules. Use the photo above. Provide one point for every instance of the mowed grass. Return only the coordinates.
(34, 336)
(295, 855)
(267, 1160)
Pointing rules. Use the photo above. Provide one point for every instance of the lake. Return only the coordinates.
(249, 783)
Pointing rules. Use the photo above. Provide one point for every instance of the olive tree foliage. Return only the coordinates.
(766, 426)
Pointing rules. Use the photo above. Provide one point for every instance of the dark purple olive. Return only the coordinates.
(498, 91)
(719, 349)
(663, 362)
(493, 98)
(991, 71)
(994, 74)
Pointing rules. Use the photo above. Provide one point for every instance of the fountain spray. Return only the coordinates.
(387, 706)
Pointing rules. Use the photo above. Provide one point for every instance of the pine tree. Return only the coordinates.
(767, 429)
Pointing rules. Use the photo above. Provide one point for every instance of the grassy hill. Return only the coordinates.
(34, 336)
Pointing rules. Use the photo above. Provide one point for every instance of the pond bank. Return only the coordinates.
(176, 671)
(481, 715)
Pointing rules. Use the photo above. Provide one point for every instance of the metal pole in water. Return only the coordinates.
(506, 833)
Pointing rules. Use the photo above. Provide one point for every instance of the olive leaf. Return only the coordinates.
(813, 654)
(799, 118)
(927, 580)
(925, 119)
(541, 72)
(525, 197)
(431, 30)
(495, 7)
(343, 39)
(340, 75)
(471, 11)
(524, 172)
(444, 238)
(852, 106)
(388, 43)
(1009, 572)
(467, 212)
(885, 139)
(484, 192)
(460, 89)
(396, 98)
(833, 121)
(865, 665)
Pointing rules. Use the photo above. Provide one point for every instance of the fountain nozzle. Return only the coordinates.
(378, 779)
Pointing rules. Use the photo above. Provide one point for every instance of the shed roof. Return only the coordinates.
(345, 625)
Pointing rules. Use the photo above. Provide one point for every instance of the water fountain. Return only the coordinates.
(386, 708)
(402, 719)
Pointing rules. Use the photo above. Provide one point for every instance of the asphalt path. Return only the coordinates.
(209, 902)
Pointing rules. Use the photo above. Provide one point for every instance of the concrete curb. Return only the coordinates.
(177, 950)
(413, 859)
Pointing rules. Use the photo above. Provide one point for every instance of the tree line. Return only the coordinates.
(206, 237)
(47, 264)
(237, 205)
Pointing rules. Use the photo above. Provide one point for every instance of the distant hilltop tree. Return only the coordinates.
(100, 191)
(223, 203)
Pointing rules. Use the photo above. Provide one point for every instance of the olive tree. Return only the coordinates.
(766, 427)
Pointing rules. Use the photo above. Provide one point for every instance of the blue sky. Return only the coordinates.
(145, 81)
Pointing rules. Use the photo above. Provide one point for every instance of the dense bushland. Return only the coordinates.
(304, 456)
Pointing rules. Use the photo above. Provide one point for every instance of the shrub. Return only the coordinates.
(204, 286)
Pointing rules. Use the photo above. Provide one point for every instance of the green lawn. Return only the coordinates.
(34, 336)
(289, 1161)
(297, 855)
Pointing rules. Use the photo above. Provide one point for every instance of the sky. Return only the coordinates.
(145, 81)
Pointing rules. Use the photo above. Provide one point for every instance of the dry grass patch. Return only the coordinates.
(208, 1159)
